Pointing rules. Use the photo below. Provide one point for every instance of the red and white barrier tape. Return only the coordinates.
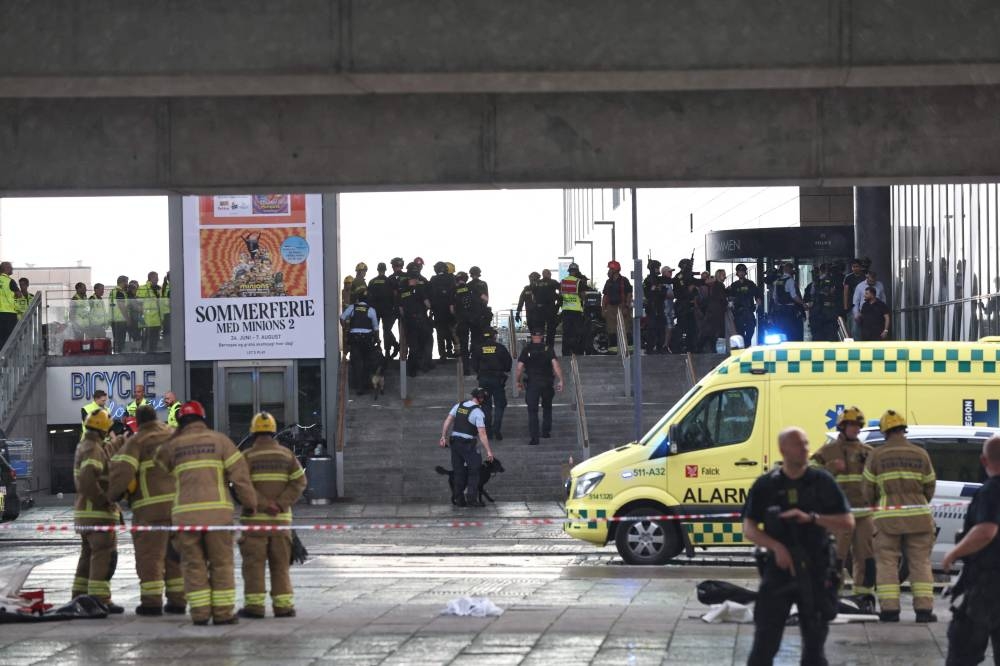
(454, 524)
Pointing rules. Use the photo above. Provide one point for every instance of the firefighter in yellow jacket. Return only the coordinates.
(151, 496)
(279, 481)
(202, 462)
(899, 473)
(98, 554)
(845, 459)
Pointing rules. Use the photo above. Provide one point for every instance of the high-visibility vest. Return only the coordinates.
(117, 294)
(98, 312)
(165, 298)
(570, 290)
(89, 409)
(172, 414)
(7, 304)
(79, 311)
(150, 305)
(20, 306)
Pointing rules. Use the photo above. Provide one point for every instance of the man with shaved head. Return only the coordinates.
(790, 513)
(976, 597)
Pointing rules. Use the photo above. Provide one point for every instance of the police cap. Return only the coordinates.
(573, 267)
(461, 275)
(440, 267)
(479, 393)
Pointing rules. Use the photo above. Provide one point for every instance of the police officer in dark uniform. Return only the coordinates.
(746, 298)
(823, 306)
(545, 292)
(469, 423)
(466, 312)
(413, 307)
(544, 378)
(975, 619)
(361, 321)
(442, 288)
(791, 512)
(654, 292)
(484, 315)
(593, 317)
(382, 296)
(492, 363)
(396, 281)
(788, 305)
(526, 300)
(685, 292)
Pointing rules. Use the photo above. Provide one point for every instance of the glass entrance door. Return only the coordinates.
(252, 389)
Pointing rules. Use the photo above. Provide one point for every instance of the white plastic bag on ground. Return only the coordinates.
(472, 607)
(728, 611)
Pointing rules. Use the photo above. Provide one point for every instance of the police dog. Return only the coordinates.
(378, 363)
(488, 470)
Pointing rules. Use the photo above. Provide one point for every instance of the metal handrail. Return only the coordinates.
(842, 332)
(582, 430)
(20, 358)
(341, 435)
(403, 353)
(512, 345)
(623, 352)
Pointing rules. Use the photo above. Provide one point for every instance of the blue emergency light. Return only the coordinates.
(774, 338)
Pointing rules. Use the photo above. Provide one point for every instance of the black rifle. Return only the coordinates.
(810, 576)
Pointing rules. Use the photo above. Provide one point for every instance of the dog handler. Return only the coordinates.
(469, 421)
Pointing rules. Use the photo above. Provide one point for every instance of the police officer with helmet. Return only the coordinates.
(466, 311)
(899, 477)
(788, 306)
(467, 423)
(526, 300)
(544, 378)
(381, 296)
(745, 297)
(572, 289)
(442, 294)
(845, 459)
(975, 619)
(545, 293)
(361, 321)
(492, 363)
(685, 292)
(789, 512)
(654, 292)
(413, 306)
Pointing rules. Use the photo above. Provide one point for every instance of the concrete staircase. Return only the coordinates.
(391, 448)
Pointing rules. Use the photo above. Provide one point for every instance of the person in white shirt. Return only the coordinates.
(859, 298)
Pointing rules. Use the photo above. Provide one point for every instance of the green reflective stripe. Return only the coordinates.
(199, 598)
(223, 597)
(887, 591)
(202, 506)
(254, 599)
(269, 476)
(121, 457)
(902, 513)
(903, 476)
(860, 589)
(868, 475)
(92, 462)
(175, 585)
(197, 464)
(283, 600)
(284, 517)
(297, 474)
(101, 588)
(849, 478)
(233, 459)
(80, 583)
(922, 589)
(152, 587)
(104, 515)
(864, 513)
(156, 499)
(930, 478)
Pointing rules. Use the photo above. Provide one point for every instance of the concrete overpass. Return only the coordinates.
(188, 95)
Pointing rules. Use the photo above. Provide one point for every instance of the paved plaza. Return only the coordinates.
(375, 596)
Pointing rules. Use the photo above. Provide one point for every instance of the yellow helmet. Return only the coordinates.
(349, 279)
(891, 419)
(851, 415)
(99, 420)
(362, 266)
(451, 267)
(263, 422)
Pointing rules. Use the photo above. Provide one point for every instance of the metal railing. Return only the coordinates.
(623, 352)
(341, 434)
(512, 345)
(404, 351)
(134, 325)
(20, 358)
(582, 430)
(842, 331)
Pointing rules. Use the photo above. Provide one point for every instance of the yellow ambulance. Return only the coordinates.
(707, 450)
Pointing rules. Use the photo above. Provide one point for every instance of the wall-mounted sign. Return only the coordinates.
(68, 389)
(780, 243)
(253, 277)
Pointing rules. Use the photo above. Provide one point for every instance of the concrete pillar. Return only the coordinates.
(331, 324)
(175, 236)
(826, 206)
(873, 231)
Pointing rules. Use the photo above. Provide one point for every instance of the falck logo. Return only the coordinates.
(691, 471)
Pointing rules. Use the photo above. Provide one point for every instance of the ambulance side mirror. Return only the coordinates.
(673, 434)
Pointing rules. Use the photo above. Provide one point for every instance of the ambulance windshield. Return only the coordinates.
(659, 431)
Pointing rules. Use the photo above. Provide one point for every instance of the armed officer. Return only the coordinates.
(544, 378)
(787, 303)
(526, 300)
(382, 296)
(845, 458)
(685, 289)
(746, 299)
(823, 307)
(396, 281)
(789, 512)
(469, 423)
(361, 322)
(492, 363)
(975, 618)
(413, 307)
(545, 293)
(899, 474)
(442, 294)
(466, 312)
(571, 289)
(654, 293)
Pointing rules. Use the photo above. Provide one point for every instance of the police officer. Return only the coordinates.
(381, 296)
(571, 290)
(278, 480)
(746, 298)
(173, 406)
(526, 300)
(975, 618)
(788, 304)
(478, 286)
(685, 289)
(823, 306)
(98, 402)
(442, 294)
(492, 363)
(899, 474)
(654, 292)
(396, 281)
(469, 423)
(593, 319)
(540, 376)
(361, 322)
(465, 308)
(789, 512)
(845, 458)
(203, 462)
(359, 283)
(545, 294)
(413, 307)
(151, 495)
(98, 549)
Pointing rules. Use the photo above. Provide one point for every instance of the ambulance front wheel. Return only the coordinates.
(647, 542)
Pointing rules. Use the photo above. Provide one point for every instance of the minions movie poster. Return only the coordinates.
(253, 276)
